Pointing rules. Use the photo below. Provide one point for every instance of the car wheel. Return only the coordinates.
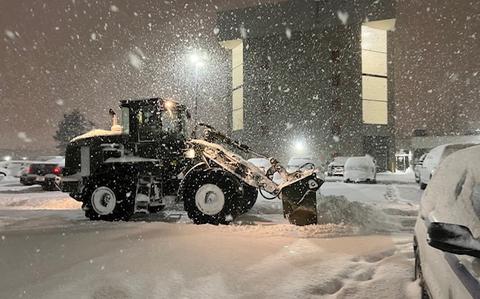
(2, 175)
(419, 276)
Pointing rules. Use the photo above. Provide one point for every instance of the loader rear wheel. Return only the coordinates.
(107, 203)
(210, 197)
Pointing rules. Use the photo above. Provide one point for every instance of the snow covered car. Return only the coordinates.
(299, 163)
(416, 168)
(261, 163)
(43, 173)
(336, 166)
(14, 167)
(447, 230)
(360, 169)
(435, 157)
(4, 172)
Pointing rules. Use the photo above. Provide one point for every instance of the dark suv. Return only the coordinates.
(43, 173)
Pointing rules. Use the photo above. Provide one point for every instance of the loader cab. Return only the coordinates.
(150, 120)
(155, 129)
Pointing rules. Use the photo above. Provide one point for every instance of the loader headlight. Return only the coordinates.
(190, 153)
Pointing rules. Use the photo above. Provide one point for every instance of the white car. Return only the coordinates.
(447, 231)
(360, 169)
(302, 163)
(434, 158)
(264, 164)
(15, 167)
(416, 168)
(336, 166)
(4, 172)
(261, 163)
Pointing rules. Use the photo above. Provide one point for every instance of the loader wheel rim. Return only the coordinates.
(103, 201)
(210, 199)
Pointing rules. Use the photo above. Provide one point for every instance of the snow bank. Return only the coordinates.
(288, 230)
(338, 210)
(38, 200)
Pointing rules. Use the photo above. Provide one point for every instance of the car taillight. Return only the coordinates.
(57, 170)
(28, 170)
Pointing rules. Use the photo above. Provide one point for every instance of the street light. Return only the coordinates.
(197, 60)
(299, 146)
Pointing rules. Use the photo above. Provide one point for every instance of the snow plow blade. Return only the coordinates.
(299, 199)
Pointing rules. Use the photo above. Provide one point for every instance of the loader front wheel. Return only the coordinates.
(250, 195)
(210, 197)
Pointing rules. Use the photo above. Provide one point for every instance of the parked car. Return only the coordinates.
(447, 230)
(298, 163)
(261, 163)
(15, 167)
(43, 173)
(335, 168)
(264, 164)
(416, 167)
(360, 169)
(4, 172)
(435, 157)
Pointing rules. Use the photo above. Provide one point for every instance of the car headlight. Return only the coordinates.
(190, 153)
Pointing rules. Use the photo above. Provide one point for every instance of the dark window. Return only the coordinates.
(419, 132)
(336, 80)
(336, 105)
(336, 128)
(335, 55)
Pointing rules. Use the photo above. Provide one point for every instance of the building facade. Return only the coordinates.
(437, 73)
(313, 78)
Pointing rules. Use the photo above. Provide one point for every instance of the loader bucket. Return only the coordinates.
(299, 200)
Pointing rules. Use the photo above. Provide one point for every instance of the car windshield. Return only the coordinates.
(238, 148)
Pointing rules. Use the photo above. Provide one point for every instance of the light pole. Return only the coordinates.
(198, 61)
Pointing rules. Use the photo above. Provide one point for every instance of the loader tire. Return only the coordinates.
(108, 202)
(211, 196)
(249, 199)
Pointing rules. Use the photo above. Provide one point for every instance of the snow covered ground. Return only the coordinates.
(49, 250)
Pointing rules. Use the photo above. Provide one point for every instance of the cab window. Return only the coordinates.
(149, 123)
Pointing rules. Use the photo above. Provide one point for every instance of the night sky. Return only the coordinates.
(59, 55)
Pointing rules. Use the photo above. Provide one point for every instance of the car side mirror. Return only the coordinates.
(453, 238)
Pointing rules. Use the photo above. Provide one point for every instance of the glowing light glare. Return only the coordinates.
(197, 59)
(169, 105)
(7, 158)
(299, 146)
